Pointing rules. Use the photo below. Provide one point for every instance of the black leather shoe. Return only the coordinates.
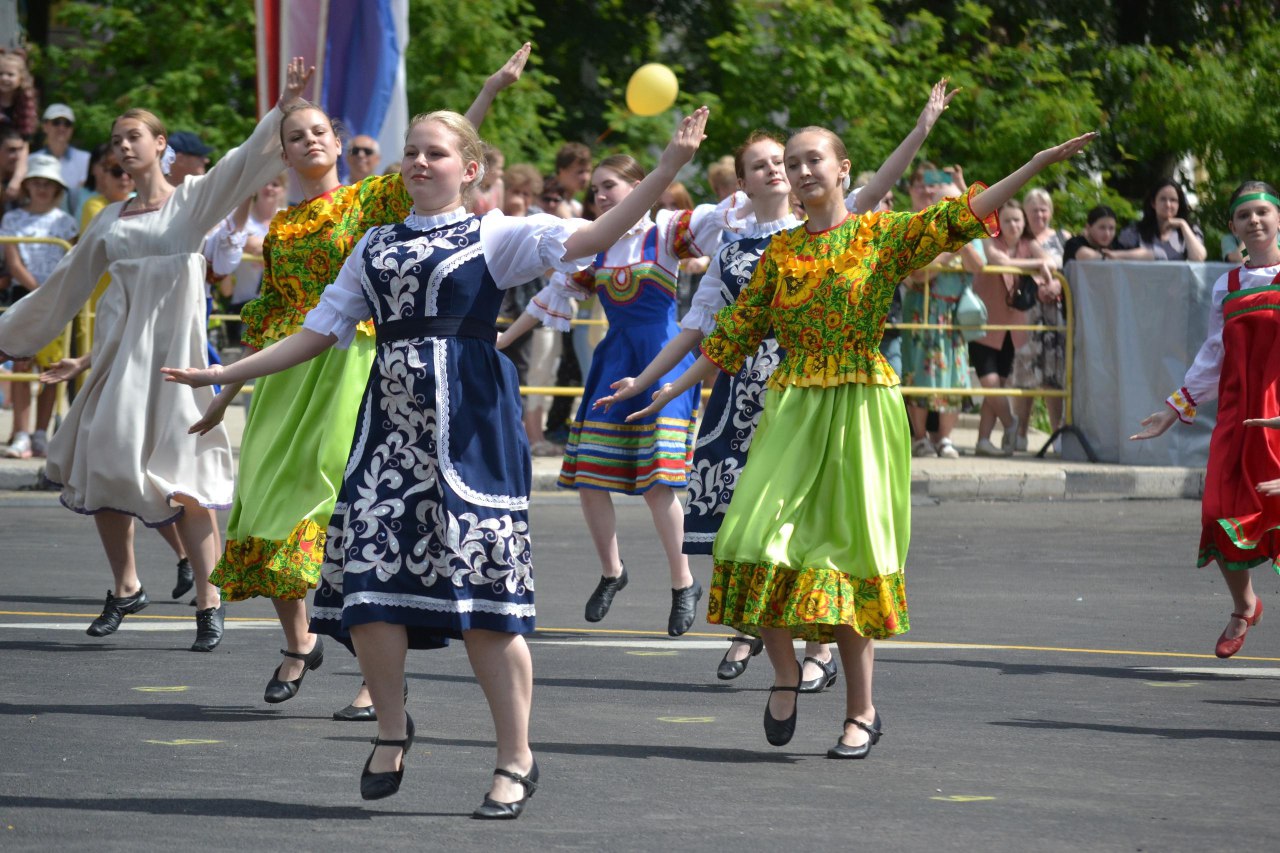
(823, 681)
(186, 578)
(209, 628)
(602, 599)
(779, 732)
(114, 610)
(375, 786)
(491, 809)
(873, 730)
(731, 669)
(363, 713)
(684, 608)
(281, 691)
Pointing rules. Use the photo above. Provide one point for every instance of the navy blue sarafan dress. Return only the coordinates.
(431, 527)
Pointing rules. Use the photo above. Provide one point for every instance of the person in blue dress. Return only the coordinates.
(430, 537)
(636, 281)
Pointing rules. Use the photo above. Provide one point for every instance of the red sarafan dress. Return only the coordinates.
(1240, 363)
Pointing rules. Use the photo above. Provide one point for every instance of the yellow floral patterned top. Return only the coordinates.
(826, 295)
(306, 246)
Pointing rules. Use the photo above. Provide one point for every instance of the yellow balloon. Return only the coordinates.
(652, 89)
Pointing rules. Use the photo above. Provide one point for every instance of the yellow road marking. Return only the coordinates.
(1171, 683)
(175, 689)
(887, 645)
(183, 742)
(687, 719)
(962, 798)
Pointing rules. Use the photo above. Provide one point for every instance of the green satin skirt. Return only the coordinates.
(816, 534)
(297, 439)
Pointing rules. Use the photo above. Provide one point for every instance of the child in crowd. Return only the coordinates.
(19, 104)
(29, 265)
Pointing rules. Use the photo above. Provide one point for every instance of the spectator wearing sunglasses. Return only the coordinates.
(58, 124)
(363, 158)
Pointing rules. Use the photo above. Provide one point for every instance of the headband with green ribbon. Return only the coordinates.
(1253, 197)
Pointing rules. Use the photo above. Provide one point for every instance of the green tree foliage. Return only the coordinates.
(191, 63)
(453, 47)
(1161, 79)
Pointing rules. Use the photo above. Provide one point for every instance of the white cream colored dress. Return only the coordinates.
(123, 445)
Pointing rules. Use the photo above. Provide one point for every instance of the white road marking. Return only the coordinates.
(1226, 670)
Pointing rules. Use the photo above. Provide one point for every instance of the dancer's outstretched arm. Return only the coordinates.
(301, 346)
(595, 237)
(900, 160)
(702, 370)
(667, 358)
(505, 76)
(993, 197)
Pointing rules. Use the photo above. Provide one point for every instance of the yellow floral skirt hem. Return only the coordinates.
(809, 603)
(288, 570)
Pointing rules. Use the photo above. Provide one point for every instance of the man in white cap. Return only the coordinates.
(58, 123)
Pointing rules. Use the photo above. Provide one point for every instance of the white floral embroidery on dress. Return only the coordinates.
(492, 552)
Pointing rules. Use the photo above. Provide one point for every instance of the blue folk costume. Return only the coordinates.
(431, 526)
(636, 282)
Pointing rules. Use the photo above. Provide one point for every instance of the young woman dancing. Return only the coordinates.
(300, 424)
(814, 542)
(121, 453)
(1239, 365)
(735, 406)
(429, 539)
(636, 282)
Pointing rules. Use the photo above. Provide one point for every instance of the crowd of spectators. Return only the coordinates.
(944, 359)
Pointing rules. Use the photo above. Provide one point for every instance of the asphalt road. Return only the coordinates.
(1058, 692)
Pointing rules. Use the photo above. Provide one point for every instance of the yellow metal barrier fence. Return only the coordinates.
(1064, 393)
(60, 404)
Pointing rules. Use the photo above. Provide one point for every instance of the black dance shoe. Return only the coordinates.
(731, 669)
(684, 608)
(375, 786)
(363, 713)
(823, 681)
(780, 732)
(114, 610)
(602, 599)
(873, 730)
(282, 691)
(186, 578)
(209, 628)
(491, 809)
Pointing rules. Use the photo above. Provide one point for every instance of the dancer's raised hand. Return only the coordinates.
(939, 98)
(685, 141)
(511, 70)
(1065, 151)
(1157, 424)
(1271, 423)
(296, 77)
(196, 377)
